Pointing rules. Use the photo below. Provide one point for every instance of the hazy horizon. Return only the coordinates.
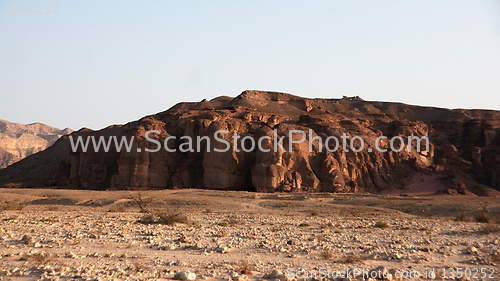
(95, 64)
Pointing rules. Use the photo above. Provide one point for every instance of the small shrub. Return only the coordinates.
(41, 258)
(461, 216)
(338, 231)
(13, 185)
(52, 208)
(314, 213)
(244, 268)
(12, 205)
(140, 201)
(382, 224)
(117, 209)
(425, 228)
(489, 228)
(46, 220)
(195, 223)
(140, 267)
(208, 211)
(495, 258)
(222, 223)
(326, 254)
(168, 218)
(304, 224)
(171, 218)
(483, 217)
(234, 221)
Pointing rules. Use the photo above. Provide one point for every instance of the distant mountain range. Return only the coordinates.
(18, 141)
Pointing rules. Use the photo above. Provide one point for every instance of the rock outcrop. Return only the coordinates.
(18, 141)
(464, 146)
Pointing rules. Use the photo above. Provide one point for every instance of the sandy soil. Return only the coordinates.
(91, 235)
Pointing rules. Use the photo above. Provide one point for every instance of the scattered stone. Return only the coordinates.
(185, 275)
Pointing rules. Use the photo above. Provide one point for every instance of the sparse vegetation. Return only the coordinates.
(304, 224)
(314, 213)
(235, 221)
(461, 216)
(326, 254)
(483, 217)
(53, 208)
(12, 206)
(117, 209)
(167, 218)
(40, 258)
(140, 201)
(244, 268)
(490, 228)
(222, 223)
(495, 257)
(382, 224)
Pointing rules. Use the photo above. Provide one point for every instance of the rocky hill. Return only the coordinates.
(18, 141)
(464, 148)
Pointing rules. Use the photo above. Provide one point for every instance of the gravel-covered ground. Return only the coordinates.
(83, 235)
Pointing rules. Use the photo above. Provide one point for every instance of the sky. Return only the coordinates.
(97, 63)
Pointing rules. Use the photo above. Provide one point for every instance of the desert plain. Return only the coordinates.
(57, 234)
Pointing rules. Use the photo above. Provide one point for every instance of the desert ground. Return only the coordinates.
(56, 234)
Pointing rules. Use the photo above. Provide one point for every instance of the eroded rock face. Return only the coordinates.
(463, 145)
(18, 141)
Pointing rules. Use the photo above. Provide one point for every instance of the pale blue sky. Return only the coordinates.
(98, 63)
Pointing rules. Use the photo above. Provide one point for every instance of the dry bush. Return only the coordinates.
(425, 228)
(314, 213)
(117, 209)
(461, 216)
(354, 258)
(344, 211)
(382, 224)
(140, 201)
(326, 254)
(321, 238)
(483, 217)
(304, 224)
(140, 267)
(13, 206)
(168, 218)
(495, 258)
(39, 258)
(244, 268)
(208, 211)
(13, 185)
(489, 228)
(52, 208)
(234, 221)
